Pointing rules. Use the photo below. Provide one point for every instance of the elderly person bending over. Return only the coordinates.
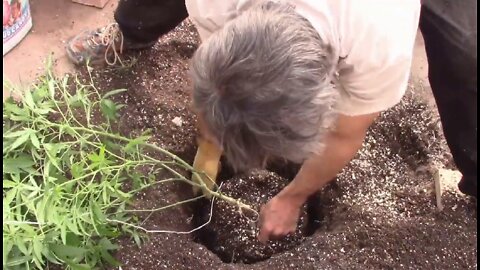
(304, 80)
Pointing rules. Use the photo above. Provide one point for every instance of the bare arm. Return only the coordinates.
(280, 215)
(341, 146)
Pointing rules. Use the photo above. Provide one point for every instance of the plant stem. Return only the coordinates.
(176, 159)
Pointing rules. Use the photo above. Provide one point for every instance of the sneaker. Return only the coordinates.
(104, 45)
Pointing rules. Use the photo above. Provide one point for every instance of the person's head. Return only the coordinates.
(262, 86)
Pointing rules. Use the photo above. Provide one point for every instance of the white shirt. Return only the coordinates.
(372, 39)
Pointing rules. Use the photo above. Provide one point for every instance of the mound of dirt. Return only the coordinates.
(234, 234)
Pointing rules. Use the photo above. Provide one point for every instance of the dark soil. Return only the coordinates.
(379, 213)
(233, 234)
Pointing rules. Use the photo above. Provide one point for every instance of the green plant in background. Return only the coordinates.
(65, 177)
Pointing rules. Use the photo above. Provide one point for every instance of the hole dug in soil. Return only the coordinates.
(232, 235)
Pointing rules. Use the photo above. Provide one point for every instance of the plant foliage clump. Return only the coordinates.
(64, 177)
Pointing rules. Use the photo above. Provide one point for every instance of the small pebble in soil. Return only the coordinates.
(235, 233)
(177, 121)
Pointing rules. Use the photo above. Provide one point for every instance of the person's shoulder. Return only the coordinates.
(376, 42)
(389, 17)
(379, 7)
(381, 28)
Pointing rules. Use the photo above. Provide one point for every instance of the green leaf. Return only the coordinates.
(49, 255)
(108, 108)
(31, 171)
(99, 160)
(21, 161)
(48, 105)
(33, 182)
(97, 212)
(34, 140)
(39, 93)
(114, 92)
(17, 133)
(105, 195)
(63, 232)
(51, 88)
(31, 196)
(43, 111)
(65, 81)
(19, 141)
(13, 108)
(101, 153)
(122, 194)
(109, 258)
(9, 184)
(20, 243)
(18, 260)
(10, 195)
(80, 266)
(14, 165)
(18, 210)
(69, 130)
(7, 247)
(41, 209)
(136, 179)
(46, 170)
(77, 170)
(52, 215)
(52, 151)
(82, 228)
(137, 239)
(107, 244)
(94, 158)
(112, 146)
(60, 177)
(66, 252)
(131, 145)
(38, 262)
(37, 248)
(75, 101)
(29, 230)
(20, 118)
(28, 203)
(28, 99)
(74, 240)
(108, 231)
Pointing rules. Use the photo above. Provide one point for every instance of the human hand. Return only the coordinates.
(278, 217)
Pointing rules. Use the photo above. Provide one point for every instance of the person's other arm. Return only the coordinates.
(280, 215)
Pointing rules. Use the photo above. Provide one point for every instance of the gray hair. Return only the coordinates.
(262, 85)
